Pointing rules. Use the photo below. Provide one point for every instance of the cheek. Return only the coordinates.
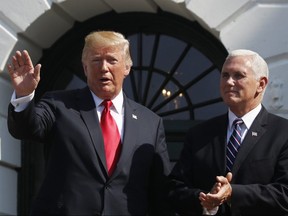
(119, 78)
(91, 75)
(222, 84)
(120, 73)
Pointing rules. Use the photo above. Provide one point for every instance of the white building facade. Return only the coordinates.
(259, 25)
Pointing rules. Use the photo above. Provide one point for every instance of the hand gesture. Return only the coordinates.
(220, 193)
(24, 76)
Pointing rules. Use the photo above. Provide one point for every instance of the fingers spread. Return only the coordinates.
(27, 58)
(15, 62)
(19, 58)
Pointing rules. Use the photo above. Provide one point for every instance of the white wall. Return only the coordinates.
(37, 24)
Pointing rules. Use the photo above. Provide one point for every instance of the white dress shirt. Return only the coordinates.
(116, 110)
(248, 119)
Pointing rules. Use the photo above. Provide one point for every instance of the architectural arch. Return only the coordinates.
(37, 24)
(194, 53)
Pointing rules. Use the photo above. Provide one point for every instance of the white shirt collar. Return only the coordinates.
(248, 118)
(117, 101)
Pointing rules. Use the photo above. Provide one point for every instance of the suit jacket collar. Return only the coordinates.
(253, 135)
(131, 128)
(88, 112)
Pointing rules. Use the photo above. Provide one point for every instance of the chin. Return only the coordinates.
(231, 102)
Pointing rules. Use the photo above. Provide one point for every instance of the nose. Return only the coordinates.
(230, 80)
(104, 65)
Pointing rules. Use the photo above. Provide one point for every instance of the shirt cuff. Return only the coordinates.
(20, 104)
(210, 212)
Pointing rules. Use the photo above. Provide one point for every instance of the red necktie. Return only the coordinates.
(111, 137)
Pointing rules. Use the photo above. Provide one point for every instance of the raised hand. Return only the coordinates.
(24, 76)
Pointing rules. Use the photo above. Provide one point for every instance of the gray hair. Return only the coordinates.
(258, 64)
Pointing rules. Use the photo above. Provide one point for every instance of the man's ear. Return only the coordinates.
(85, 69)
(263, 81)
(127, 71)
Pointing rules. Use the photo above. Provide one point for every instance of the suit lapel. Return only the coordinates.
(253, 135)
(131, 123)
(89, 114)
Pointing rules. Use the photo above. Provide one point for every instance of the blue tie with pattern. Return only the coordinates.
(233, 144)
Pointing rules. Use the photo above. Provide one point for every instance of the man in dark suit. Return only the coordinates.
(205, 180)
(78, 180)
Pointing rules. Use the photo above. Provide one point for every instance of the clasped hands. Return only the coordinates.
(220, 193)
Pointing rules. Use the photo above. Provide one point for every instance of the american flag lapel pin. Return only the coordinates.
(254, 133)
(134, 116)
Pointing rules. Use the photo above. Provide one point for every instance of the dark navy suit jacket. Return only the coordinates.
(76, 181)
(260, 172)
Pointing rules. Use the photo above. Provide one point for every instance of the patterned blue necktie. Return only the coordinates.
(233, 144)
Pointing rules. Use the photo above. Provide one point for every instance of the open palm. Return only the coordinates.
(24, 76)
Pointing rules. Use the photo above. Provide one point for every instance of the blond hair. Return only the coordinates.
(107, 38)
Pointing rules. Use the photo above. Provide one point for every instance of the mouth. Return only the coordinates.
(104, 80)
(231, 93)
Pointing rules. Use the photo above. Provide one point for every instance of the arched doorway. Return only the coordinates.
(175, 73)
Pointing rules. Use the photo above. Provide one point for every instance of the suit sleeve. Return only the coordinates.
(33, 123)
